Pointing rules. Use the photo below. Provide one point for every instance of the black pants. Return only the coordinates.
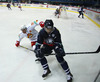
(81, 13)
(47, 50)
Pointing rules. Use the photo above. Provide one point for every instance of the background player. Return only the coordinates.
(58, 12)
(80, 10)
(9, 6)
(19, 6)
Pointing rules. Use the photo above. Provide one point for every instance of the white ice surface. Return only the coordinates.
(18, 64)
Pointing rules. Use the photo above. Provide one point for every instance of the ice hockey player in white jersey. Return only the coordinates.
(30, 32)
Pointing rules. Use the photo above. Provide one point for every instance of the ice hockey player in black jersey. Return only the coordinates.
(9, 6)
(80, 10)
(49, 38)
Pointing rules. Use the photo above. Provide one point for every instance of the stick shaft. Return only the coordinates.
(71, 53)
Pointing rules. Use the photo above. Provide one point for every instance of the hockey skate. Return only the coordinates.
(46, 73)
(70, 78)
(37, 60)
(58, 16)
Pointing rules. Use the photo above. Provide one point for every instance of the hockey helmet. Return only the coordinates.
(48, 24)
(23, 27)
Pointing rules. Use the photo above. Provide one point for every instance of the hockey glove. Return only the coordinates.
(38, 53)
(33, 43)
(17, 43)
(59, 50)
(41, 24)
(58, 44)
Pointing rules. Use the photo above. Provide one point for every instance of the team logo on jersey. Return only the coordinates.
(30, 31)
(53, 35)
(32, 23)
(29, 35)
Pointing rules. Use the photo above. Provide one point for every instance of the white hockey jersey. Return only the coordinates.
(31, 33)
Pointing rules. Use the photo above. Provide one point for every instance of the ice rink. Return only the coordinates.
(18, 64)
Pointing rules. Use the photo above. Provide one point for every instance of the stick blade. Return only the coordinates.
(98, 50)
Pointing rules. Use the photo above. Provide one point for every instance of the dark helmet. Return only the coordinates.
(48, 23)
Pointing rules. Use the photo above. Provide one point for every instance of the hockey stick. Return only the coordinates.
(97, 51)
(26, 48)
(97, 76)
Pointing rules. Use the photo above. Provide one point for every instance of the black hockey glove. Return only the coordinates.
(57, 44)
(59, 50)
(39, 53)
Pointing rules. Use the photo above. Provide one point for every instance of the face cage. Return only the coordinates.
(24, 29)
(49, 29)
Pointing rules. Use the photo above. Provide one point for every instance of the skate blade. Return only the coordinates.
(71, 80)
(44, 78)
(37, 61)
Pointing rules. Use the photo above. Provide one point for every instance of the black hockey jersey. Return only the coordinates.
(49, 39)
